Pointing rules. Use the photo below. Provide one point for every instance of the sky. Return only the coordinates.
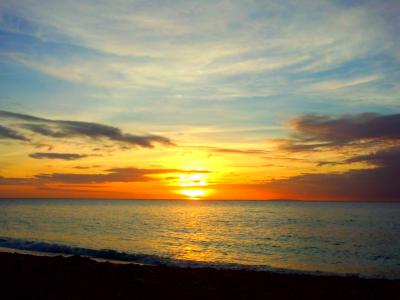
(200, 99)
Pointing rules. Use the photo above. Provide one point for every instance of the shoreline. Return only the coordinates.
(59, 277)
(159, 261)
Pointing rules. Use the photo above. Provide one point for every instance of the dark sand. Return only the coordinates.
(40, 277)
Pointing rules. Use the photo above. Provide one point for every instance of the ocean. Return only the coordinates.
(282, 236)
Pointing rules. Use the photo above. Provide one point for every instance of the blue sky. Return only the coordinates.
(308, 55)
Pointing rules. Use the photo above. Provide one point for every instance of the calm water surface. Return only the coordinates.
(361, 238)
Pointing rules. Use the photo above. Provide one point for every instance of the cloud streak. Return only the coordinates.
(343, 84)
(231, 151)
(111, 175)
(129, 174)
(63, 156)
(8, 133)
(68, 129)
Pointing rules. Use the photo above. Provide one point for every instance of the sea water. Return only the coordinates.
(330, 237)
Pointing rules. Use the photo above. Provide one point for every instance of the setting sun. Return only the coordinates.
(193, 194)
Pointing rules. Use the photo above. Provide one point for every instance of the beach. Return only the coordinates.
(26, 276)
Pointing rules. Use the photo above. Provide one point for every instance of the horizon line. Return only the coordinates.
(195, 200)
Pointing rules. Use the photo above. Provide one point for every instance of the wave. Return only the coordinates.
(107, 254)
(147, 259)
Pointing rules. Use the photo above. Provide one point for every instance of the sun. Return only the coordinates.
(194, 185)
(193, 194)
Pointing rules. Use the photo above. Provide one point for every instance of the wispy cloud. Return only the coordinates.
(342, 84)
(231, 151)
(166, 46)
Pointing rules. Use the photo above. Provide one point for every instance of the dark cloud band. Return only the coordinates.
(67, 129)
(313, 132)
(376, 142)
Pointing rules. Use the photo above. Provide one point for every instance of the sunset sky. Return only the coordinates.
(200, 99)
